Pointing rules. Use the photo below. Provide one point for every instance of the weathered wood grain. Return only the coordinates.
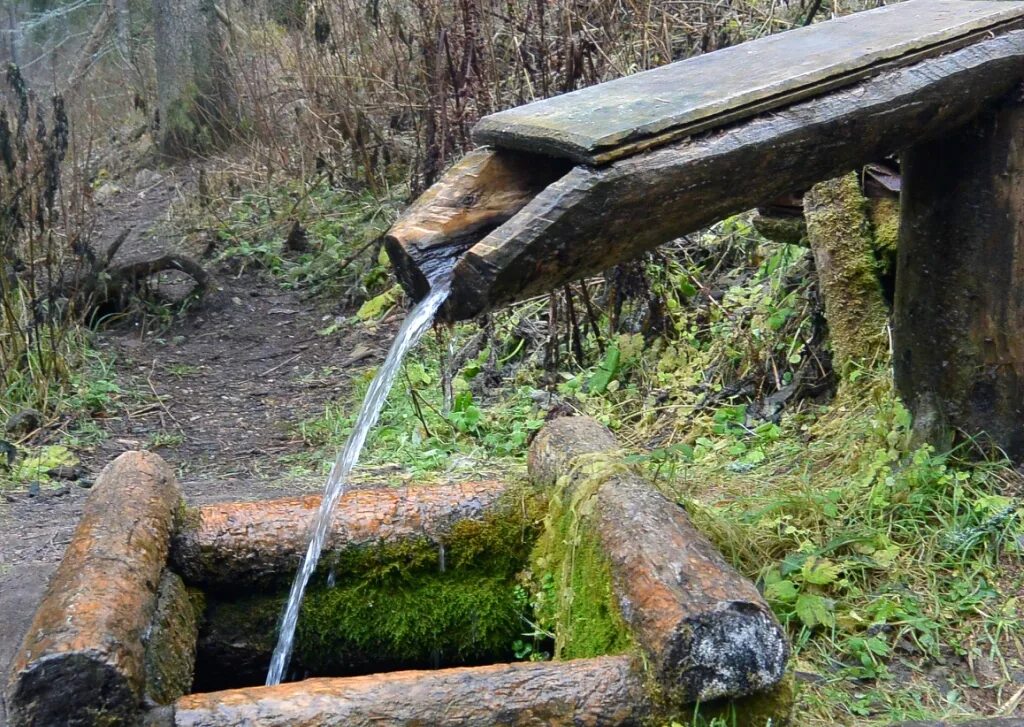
(958, 333)
(82, 662)
(604, 691)
(622, 117)
(483, 190)
(592, 219)
(255, 544)
(705, 631)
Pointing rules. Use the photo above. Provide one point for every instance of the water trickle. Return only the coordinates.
(413, 328)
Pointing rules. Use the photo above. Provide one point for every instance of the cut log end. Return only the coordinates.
(481, 192)
(735, 650)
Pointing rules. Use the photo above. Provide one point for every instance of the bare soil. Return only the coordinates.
(217, 393)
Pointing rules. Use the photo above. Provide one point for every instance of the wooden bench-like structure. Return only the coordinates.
(570, 186)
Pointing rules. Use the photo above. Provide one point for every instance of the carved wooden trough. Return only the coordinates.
(570, 186)
(156, 603)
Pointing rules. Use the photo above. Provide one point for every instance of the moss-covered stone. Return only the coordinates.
(573, 581)
(171, 642)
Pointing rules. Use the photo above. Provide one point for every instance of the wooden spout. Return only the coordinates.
(482, 191)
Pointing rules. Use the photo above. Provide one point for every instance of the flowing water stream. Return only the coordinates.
(414, 326)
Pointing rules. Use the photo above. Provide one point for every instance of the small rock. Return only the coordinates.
(33, 489)
(25, 421)
(67, 472)
(106, 192)
(84, 483)
(146, 178)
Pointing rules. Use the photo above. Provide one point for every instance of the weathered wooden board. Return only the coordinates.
(598, 124)
(592, 219)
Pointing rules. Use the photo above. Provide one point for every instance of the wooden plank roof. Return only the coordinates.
(619, 118)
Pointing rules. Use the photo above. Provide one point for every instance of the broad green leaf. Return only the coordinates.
(814, 610)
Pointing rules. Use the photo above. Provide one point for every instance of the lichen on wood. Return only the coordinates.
(839, 235)
(171, 642)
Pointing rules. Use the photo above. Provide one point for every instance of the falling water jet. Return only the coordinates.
(413, 328)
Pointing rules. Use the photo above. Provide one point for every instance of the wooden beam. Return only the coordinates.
(705, 631)
(626, 116)
(83, 655)
(592, 219)
(959, 315)
(604, 691)
(260, 544)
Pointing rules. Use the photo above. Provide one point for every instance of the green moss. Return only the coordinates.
(885, 227)
(497, 544)
(574, 594)
(458, 617)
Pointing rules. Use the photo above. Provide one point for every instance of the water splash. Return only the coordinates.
(415, 325)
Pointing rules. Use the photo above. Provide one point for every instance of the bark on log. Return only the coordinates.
(959, 321)
(241, 544)
(479, 193)
(171, 642)
(705, 630)
(839, 235)
(592, 219)
(601, 691)
(82, 659)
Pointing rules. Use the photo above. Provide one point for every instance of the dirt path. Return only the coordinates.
(216, 393)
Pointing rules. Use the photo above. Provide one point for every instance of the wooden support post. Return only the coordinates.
(959, 319)
(704, 629)
(259, 544)
(82, 661)
(604, 691)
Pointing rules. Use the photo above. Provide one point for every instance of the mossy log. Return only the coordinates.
(259, 544)
(587, 692)
(958, 332)
(705, 631)
(171, 642)
(82, 661)
(839, 235)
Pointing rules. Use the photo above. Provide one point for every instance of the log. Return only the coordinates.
(959, 314)
(704, 630)
(839, 236)
(479, 193)
(82, 661)
(592, 219)
(171, 642)
(259, 544)
(602, 691)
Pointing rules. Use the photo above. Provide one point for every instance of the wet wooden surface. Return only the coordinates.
(592, 219)
(705, 631)
(599, 692)
(246, 544)
(83, 654)
(631, 114)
